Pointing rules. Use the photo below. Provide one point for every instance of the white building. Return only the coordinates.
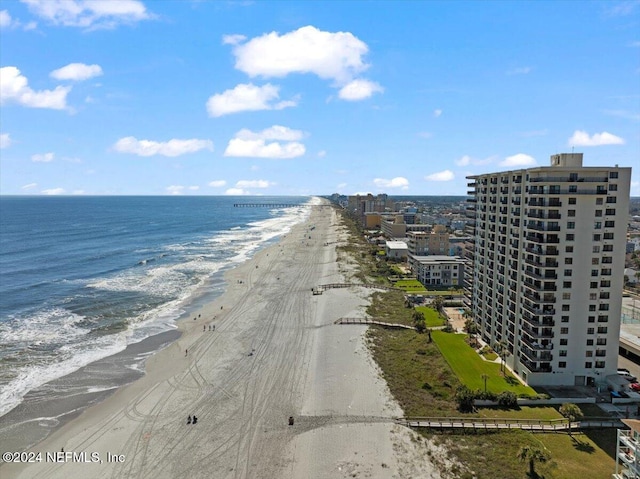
(396, 250)
(437, 270)
(547, 267)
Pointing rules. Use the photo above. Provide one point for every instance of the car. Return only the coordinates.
(623, 372)
(635, 386)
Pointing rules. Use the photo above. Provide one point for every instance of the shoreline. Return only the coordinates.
(275, 353)
(122, 368)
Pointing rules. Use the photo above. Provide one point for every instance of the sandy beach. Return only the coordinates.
(275, 352)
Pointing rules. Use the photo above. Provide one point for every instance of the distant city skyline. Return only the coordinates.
(295, 98)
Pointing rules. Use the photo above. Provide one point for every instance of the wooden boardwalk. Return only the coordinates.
(324, 287)
(371, 321)
(478, 424)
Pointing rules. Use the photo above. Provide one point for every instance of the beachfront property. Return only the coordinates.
(437, 270)
(360, 205)
(396, 250)
(423, 243)
(546, 267)
(628, 451)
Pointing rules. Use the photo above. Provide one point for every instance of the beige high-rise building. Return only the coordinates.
(547, 267)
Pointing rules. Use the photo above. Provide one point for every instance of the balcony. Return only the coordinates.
(536, 298)
(542, 239)
(544, 345)
(569, 179)
(537, 355)
(544, 333)
(547, 215)
(541, 226)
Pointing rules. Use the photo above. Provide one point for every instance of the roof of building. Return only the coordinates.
(438, 258)
(634, 424)
(396, 245)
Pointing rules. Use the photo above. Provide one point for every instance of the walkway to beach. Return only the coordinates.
(535, 425)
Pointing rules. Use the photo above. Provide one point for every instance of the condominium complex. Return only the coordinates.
(546, 269)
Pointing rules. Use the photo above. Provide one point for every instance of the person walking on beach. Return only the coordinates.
(189, 419)
(185, 352)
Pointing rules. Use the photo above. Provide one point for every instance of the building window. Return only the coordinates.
(598, 213)
(565, 319)
(565, 307)
(568, 249)
(588, 365)
(564, 342)
(594, 272)
(589, 354)
(572, 201)
(610, 199)
(597, 225)
(571, 225)
(609, 224)
(613, 187)
(596, 237)
(600, 364)
(603, 318)
(566, 295)
(568, 261)
(604, 307)
(595, 260)
(605, 283)
(596, 249)
(563, 352)
(593, 296)
(601, 341)
(598, 201)
(562, 364)
(613, 175)
(589, 342)
(564, 330)
(591, 319)
(607, 260)
(594, 284)
(611, 212)
(571, 212)
(608, 236)
(602, 330)
(567, 272)
(592, 307)
(566, 284)
(590, 330)
(570, 237)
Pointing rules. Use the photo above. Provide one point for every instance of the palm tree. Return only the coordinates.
(501, 348)
(533, 454)
(572, 412)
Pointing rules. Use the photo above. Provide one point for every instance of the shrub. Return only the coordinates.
(464, 397)
(507, 399)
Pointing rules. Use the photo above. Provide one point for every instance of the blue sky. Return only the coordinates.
(296, 98)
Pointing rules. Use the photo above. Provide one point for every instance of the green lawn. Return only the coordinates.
(410, 285)
(469, 367)
(431, 317)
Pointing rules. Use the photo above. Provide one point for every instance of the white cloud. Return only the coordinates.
(5, 141)
(53, 191)
(172, 147)
(175, 189)
(359, 90)
(76, 72)
(446, 175)
(322, 153)
(5, 19)
(464, 161)
(29, 186)
(247, 97)
(194, 188)
(469, 160)
(236, 192)
(275, 132)
(337, 56)
(263, 144)
(397, 182)
(437, 113)
(89, 14)
(519, 71)
(253, 184)
(233, 39)
(217, 183)
(43, 158)
(582, 138)
(15, 87)
(519, 159)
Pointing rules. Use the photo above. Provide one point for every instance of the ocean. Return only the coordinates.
(84, 278)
